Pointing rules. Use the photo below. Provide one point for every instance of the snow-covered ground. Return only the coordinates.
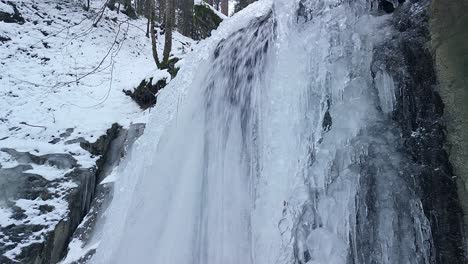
(61, 79)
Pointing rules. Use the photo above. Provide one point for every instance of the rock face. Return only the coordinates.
(204, 21)
(46, 212)
(42, 224)
(419, 115)
(449, 33)
(118, 148)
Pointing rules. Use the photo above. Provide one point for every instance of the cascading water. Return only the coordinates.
(283, 151)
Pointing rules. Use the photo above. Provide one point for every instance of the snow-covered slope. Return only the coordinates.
(61, 82)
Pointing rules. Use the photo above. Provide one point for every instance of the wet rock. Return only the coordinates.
(418, 113)
(103, 192)
(449, 39)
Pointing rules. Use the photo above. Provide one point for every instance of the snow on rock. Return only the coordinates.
(203, 3)
(6, 8)
(61, 83)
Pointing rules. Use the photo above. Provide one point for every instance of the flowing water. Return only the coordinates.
(283, 151)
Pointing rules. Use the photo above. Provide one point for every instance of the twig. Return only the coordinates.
(26, 124)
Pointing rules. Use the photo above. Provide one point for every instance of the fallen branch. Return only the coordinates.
(26, 124)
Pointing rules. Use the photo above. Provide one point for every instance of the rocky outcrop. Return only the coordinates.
(42, 224)
(117, 149)
(419, 114)
(45, 213)
(449, 39)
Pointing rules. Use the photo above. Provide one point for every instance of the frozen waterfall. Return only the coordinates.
(278, 148)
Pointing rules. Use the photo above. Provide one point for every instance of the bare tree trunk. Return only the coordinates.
(149, 10)
(162, 11)
(170, 16)
(186, 17)
(141, 6)
(225, 7)
(153, 35)
(148, 24)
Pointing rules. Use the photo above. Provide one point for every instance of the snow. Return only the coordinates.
(5, 217)
(218, 13)
(49, 173)
(5, 8)
(6, 161)
(59, 73)
(76, 250)
(49, 87)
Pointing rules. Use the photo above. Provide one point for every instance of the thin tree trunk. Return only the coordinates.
(148, 24)
(170, 16)
(153, 35)
(149, 10)
(186, 17)
(225, 7)
(162, 11)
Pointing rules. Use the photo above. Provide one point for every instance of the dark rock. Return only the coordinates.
(327, 121)
(12, 18)
(104, 148)
(54, 141)
(130, 12)
(117, 149)
(387, 6)
(4, 39)
(418, 113)
(103, 192)
(67, 133)
(76, 140)
(145, 94)
(18, 213)
(46, 208)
